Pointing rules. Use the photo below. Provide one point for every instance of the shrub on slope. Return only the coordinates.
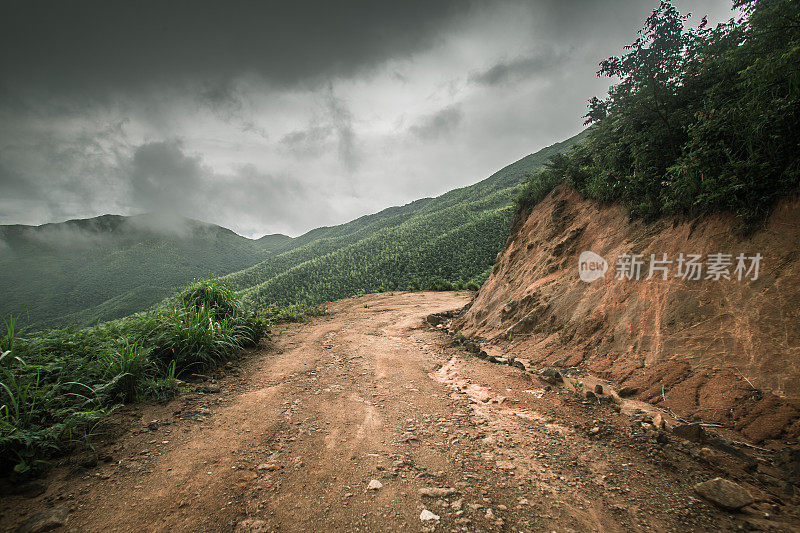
(702, 120)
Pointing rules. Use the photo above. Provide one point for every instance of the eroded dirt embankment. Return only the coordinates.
(726, 351)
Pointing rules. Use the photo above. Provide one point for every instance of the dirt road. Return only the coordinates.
(297, 430)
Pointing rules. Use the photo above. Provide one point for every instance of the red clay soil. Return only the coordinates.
(292, 435)
(725, 352)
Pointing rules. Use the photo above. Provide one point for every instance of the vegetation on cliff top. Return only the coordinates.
(702, 119)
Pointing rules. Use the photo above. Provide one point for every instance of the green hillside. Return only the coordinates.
(84, 271)
(442, 242)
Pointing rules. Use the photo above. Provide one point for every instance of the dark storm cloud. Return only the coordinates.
(161, 176)
(309, 141)
(167, 181)
(97, 45)
(14, 185)
(224, 99)
(438, 124)
(266, 116)
(46, 174)
(248, 126)
(516, 69)
(334, 127)
(342, 120)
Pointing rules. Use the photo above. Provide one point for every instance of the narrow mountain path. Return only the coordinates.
(293, 435)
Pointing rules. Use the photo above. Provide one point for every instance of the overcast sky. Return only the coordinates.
(266, 117)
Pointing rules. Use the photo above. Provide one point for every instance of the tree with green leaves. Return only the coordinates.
(701, 120)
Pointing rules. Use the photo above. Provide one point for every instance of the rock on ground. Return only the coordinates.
(46, 520)
(426, 515)
(724, 493)
(252, 525)
(436, 492)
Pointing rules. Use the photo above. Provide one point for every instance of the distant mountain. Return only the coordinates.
(430, 243)
(84, 271)
(274, 242)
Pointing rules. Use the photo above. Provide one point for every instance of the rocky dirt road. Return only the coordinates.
(369, 420)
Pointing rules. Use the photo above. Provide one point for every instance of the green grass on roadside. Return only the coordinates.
(57, 385)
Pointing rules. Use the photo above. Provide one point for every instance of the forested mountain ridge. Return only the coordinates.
(84, 271)
(432, 243)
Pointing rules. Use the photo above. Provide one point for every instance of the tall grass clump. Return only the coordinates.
(194, 337)
(535, 188)
(56, 387)
(218, 298)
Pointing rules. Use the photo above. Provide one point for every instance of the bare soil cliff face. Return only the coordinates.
(725, 351)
